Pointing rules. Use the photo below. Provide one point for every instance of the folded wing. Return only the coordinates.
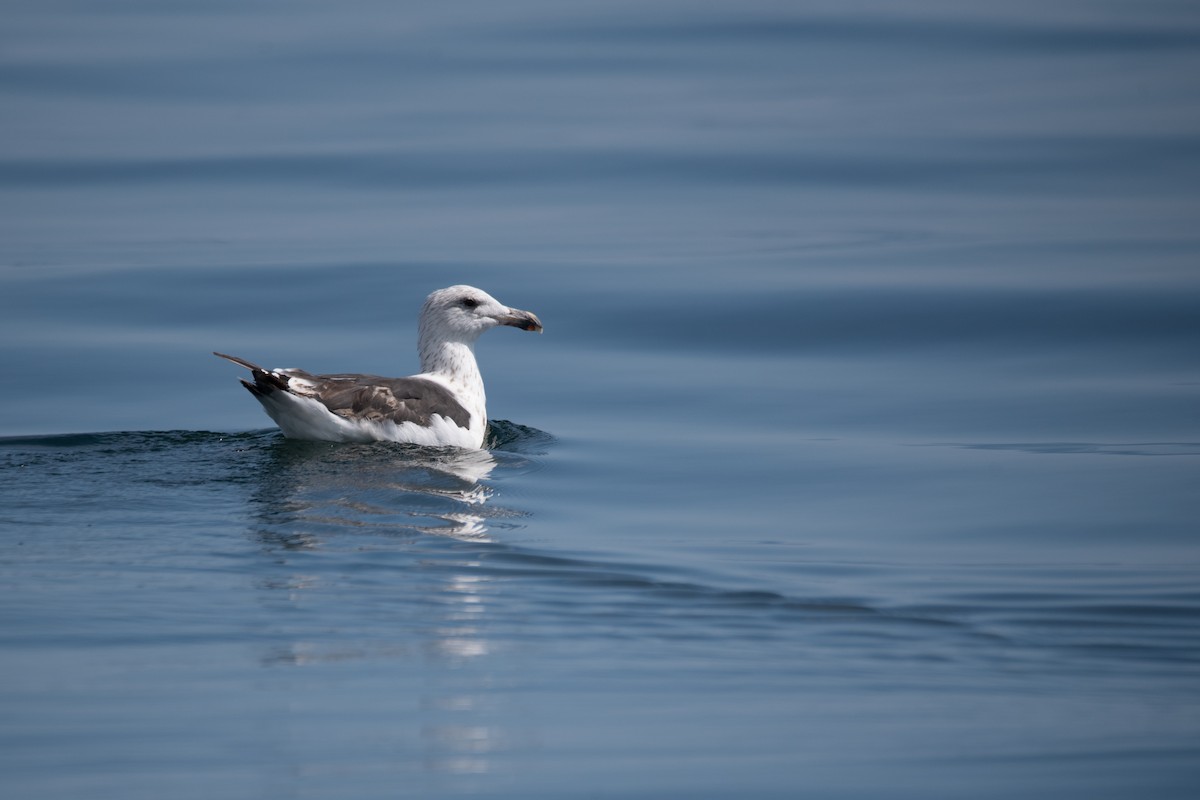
(370, 398)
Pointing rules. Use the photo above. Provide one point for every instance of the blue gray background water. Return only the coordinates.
(858, 459)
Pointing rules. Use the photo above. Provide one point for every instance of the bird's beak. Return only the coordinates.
(524, 320)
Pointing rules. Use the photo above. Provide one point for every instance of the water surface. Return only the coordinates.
(857, 459)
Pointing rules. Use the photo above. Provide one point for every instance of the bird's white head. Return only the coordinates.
(462, 313)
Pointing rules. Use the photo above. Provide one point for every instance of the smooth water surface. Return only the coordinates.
(858, 458)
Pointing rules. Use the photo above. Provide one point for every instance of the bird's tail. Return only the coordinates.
(265, 381)
(240, 362)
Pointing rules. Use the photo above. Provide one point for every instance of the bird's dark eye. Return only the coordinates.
(470, 302)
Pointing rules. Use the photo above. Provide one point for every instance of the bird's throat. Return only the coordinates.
(454, 362)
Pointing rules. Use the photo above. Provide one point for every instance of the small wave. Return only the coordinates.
(131, 439)
(1090, 448)
(516, 438)
(297, 488)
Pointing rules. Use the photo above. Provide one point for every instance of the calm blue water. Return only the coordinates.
(858, 459)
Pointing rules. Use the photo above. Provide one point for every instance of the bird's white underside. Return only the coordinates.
(301, 417)
(305, 418)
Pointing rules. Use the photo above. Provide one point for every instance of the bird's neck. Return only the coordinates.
(455, 362)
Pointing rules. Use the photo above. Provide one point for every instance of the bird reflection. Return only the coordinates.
(461, 639)
(307, 489)
(386, 551)
(347, 501)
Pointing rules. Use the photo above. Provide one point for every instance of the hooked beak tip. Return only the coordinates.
(524, 320)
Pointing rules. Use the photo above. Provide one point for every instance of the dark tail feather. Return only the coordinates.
(265, 381)
(253, 389)
(240, 362)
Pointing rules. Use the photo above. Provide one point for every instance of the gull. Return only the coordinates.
(443, 405)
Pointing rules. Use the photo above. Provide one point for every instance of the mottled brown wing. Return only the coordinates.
(374, 398)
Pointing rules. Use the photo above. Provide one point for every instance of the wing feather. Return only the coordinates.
(375, 398)
(367, 397)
